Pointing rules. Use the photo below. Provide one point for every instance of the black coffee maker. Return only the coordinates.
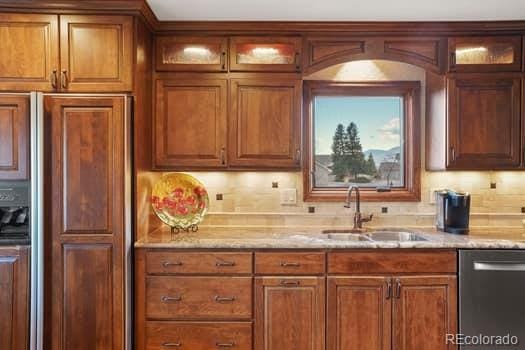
(452, 211)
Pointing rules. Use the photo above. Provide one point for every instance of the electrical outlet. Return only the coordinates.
(289, 196)
(432, 195)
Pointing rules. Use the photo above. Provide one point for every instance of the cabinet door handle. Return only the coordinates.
(452, 59)
(225, 345)
(296, 61)
(63, 77)
(453, 153)
(298, 156)
(169, 263)
(220, 299)
(223, 156)
(54, 79)
(225, 263)
(172, 345)
(290, 264)
(290, 283)
(389, 288)
(398, 288)
(167, 299)
(223, 60)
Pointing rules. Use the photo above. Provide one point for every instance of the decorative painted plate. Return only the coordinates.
(180, 201)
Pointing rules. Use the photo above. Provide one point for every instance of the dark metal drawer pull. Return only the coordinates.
(290, 264)
(166, 299)
(389, 288)
(172, 345)
(290, 283)
(398, 288)
(220, 299)
(225, 345)
(224, 263)
(168, 263)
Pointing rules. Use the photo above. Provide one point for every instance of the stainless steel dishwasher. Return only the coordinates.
(492, 299)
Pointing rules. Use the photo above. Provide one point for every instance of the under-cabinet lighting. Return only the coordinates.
(265, 51)
(471, 50)
(196, 50)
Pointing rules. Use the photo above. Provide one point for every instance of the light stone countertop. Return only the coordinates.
(261, 237)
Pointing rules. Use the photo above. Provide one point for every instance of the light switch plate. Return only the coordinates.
(432, 195)
(288, 196)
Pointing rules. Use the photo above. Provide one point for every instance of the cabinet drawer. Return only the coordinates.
(198, 335)
(394, 261)
(199, 262)
(290, 263)
(170, 297)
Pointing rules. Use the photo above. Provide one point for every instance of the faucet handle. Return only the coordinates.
(367, 218)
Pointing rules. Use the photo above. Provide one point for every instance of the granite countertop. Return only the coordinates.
(222, 237)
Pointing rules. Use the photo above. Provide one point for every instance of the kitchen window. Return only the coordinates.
(362, 134)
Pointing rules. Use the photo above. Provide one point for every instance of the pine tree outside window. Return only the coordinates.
(362, 134)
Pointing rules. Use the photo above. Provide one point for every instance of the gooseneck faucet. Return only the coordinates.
(358, 218)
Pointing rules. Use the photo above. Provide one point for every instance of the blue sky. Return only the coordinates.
(377, 118)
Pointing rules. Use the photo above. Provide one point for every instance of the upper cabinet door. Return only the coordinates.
(484, 122)
(265, 123)
(190, 123)
(28, 52)
(96, 53)
(485, 54)
(204, 54)
(274, 54)
(14, 137)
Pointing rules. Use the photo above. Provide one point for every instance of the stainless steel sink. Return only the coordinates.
(371, 236)
(394, 236)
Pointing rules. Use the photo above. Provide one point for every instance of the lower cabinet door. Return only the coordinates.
(14, 298)
(359, 313)
(289, 313)
(198, 335)
(425, 311)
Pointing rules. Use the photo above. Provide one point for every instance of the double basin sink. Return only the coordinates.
(373, 236)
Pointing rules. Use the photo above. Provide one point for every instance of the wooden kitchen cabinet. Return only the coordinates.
(14, 137)
(85, 222)
(14, 298)
(424, 310)
(96, 53)
(186, 53)
(484, 122)
(28, 52)
(261, 53)
(190, 123)
(265, 123)
(359, 313)
(289, 313)
(485, 54)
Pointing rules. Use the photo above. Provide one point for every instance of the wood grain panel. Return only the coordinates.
(392, 261)
(199, 335)
(198, 263)
(88, 298)
(425, 305)
(428, 53)
(29, 51)
(359, 313)
(324, 51)
(265, 123)
(84, 222)
(484, 122)
(190, 123)
(14, 137)
(88, 174)
(288, 263)
(96, 53)
(14, 298)
(289, 313)
(198, 297)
